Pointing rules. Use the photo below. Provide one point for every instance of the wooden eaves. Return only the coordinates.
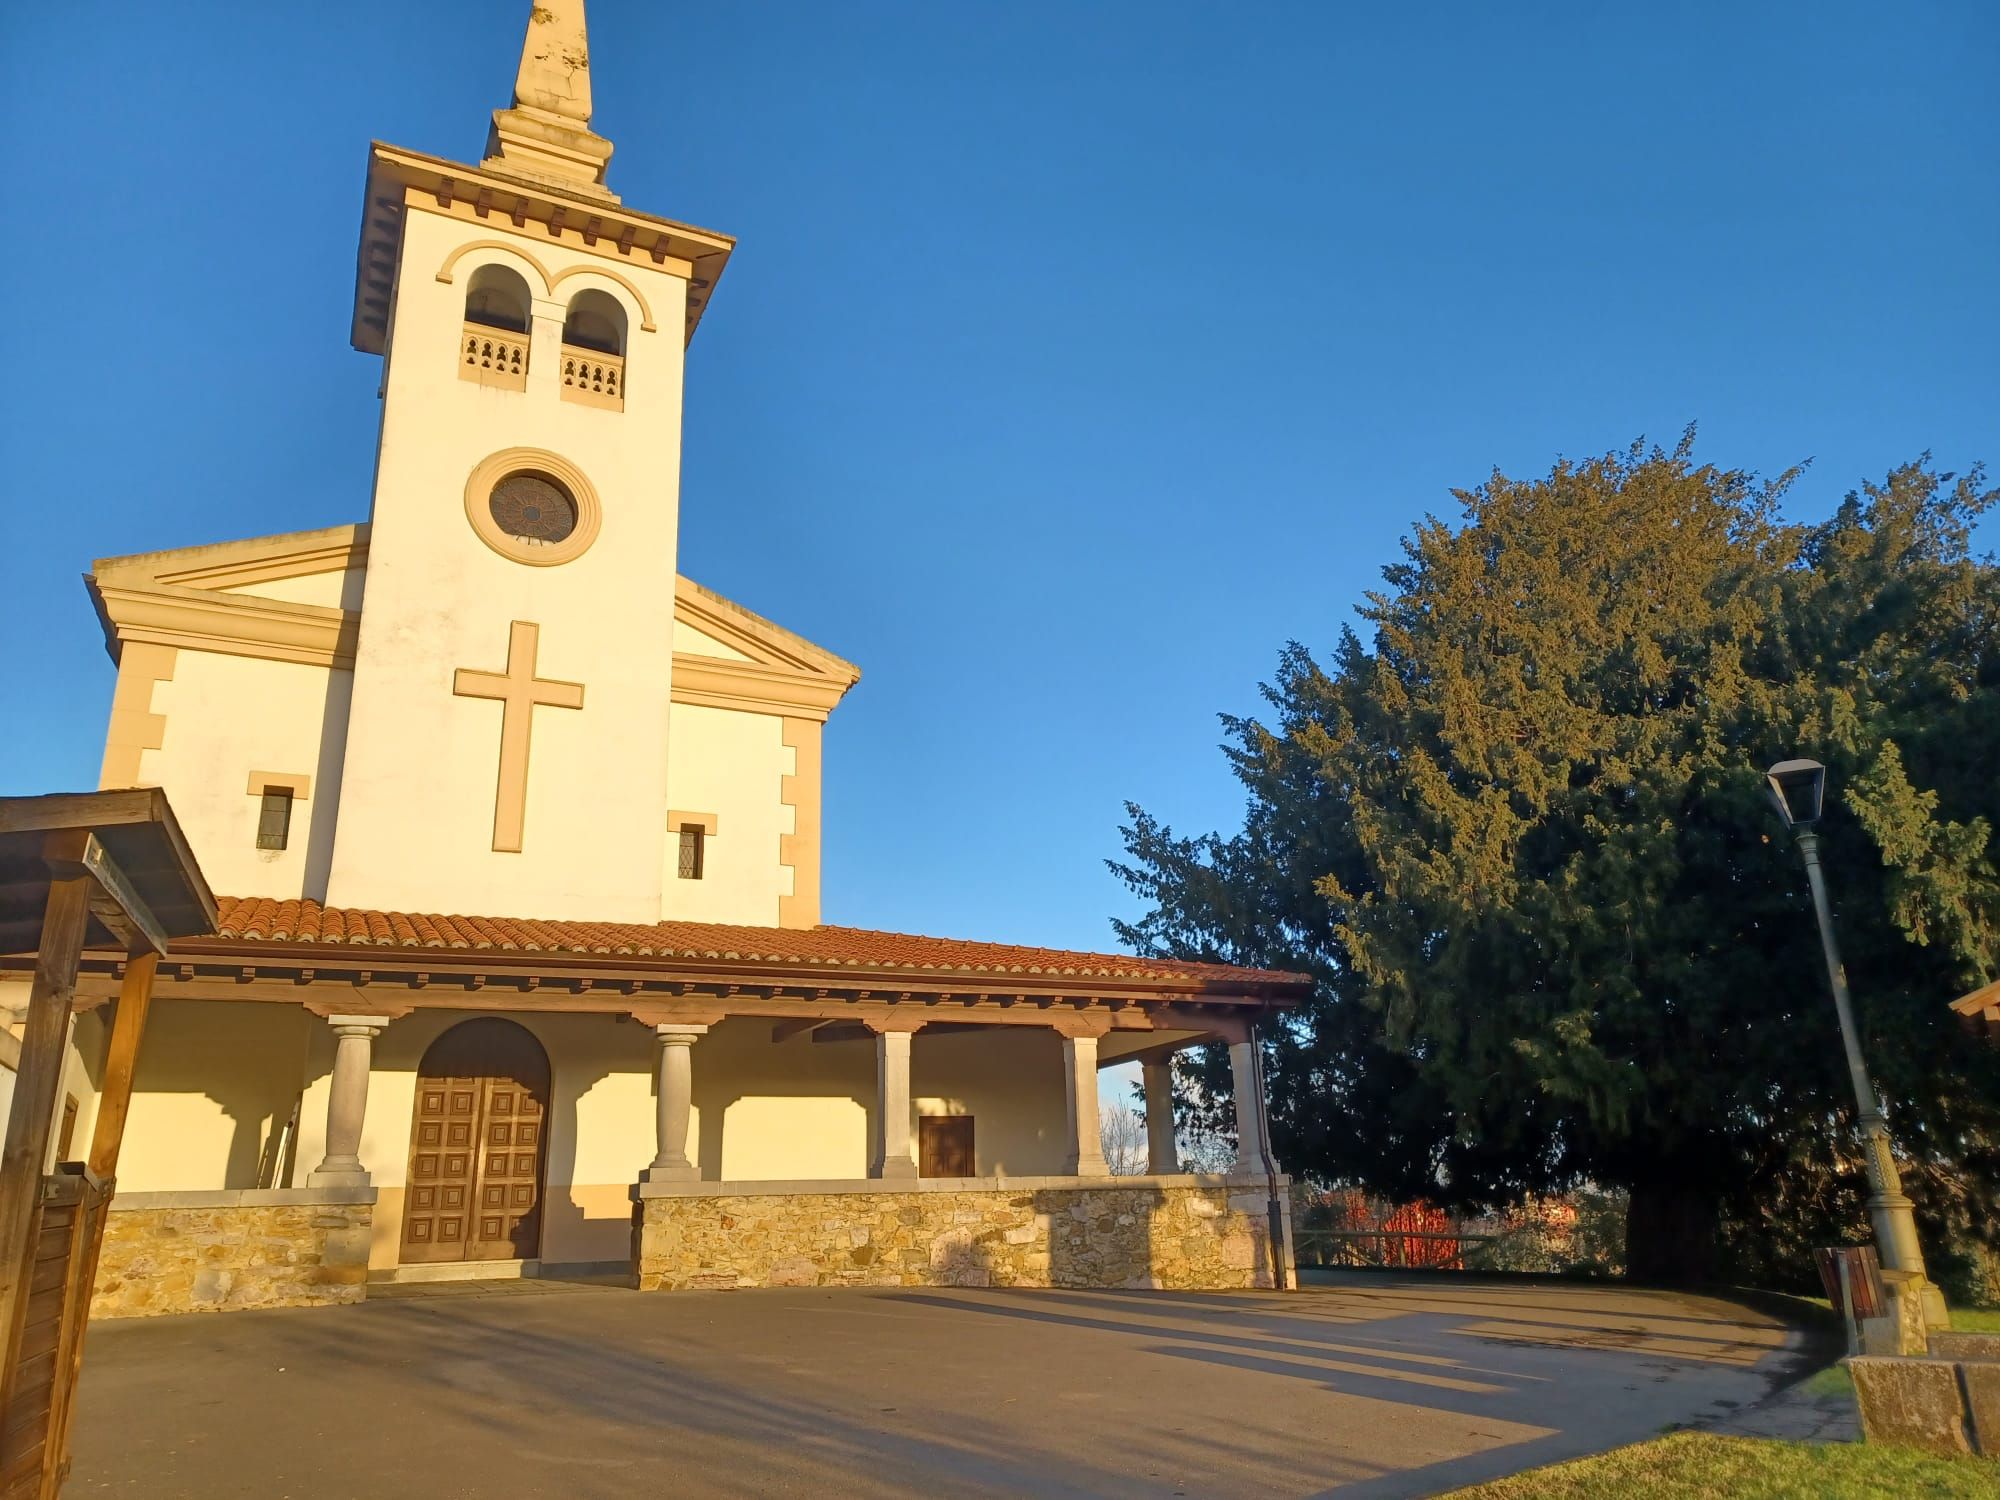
(363, 978)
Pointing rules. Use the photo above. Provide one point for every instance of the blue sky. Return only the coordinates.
(1074, 357)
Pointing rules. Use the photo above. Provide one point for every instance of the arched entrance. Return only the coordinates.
(477, 1146)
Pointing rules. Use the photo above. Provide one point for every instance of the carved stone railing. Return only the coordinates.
(592, 378)
(494, 356)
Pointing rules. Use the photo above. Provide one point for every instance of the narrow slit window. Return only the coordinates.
(693, 852)
(274, 820)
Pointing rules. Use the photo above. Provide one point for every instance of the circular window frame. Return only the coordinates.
(496, 467)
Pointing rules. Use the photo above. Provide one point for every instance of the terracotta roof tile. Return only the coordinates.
(261, 919)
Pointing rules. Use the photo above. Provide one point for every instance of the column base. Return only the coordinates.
(896, 1169)
(339, 1177)
(1089, 1166)
(1906, 1324)
(678, 1172)
(1937, 1318)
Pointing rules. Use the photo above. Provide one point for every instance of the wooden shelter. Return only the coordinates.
(1980, 1011)
(76, 869)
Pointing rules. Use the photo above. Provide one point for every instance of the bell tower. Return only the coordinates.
(507, 741)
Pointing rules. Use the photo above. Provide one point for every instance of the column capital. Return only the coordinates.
(347, 1013)
(895, 1025)
(678, 1033)
(368, 1026)
(675, 1017)
(1085, 1026)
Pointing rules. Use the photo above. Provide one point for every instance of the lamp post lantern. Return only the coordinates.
(1798, 787)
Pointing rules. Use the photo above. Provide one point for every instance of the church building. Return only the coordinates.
(515, 831)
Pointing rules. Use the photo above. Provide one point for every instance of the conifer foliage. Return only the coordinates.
(1521, 836)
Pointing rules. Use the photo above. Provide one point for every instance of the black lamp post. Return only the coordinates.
(1798, 787)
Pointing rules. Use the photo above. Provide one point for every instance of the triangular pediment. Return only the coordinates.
(244, 563)
(768, 669)
(231, 597)
(246, 598)
(763, 641)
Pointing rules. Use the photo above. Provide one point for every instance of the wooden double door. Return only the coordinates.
(478, 1144)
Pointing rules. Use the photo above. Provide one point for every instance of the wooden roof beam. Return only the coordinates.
(114, 900)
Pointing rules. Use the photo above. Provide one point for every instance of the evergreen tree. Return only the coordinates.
(1521, 836)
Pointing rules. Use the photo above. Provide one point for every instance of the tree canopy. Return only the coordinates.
(1520, 835)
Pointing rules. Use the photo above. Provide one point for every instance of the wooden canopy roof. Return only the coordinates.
(147, 887)
(1981, 1010)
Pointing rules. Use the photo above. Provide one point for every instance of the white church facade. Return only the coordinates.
(499, 695)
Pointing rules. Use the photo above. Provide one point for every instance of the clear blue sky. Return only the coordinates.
(1074, 357)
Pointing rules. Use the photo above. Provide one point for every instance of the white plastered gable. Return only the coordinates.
(298, 597)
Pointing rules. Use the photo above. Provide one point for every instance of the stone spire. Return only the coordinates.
(546, 136)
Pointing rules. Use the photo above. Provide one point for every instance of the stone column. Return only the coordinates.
(1162, 1156)
(674, 1081)
(892, 1157)
(1250, 1146)
(1085, 1154)
(545, 346)
(347, 1102)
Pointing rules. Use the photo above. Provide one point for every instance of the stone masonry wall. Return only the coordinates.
(1168, 1233)
(213, 1252)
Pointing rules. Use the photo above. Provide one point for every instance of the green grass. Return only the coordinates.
(1963, 1319)
(1702, 1466)
(1832, 1381)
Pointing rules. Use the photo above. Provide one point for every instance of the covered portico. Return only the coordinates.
(729, 1105)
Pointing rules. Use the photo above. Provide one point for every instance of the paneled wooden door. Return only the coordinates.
(944, 1146)
(478, 1141)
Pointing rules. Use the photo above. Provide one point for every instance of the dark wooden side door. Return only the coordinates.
(944, 1146)
(478, 1141)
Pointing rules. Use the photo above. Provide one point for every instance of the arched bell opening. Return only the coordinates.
(593, 356)
(493, 350)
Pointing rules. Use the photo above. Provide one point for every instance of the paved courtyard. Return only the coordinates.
(1364, 1385)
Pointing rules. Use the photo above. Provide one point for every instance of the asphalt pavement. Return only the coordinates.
(1363, 1386)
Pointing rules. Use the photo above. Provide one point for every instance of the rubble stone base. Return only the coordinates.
(1912, 1402)
(1982, 1405)
(217, 1251)
(1977, 1346)
(1172, 1232)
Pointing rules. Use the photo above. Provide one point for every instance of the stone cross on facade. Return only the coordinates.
(520, 693)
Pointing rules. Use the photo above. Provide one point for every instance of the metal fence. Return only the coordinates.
(1394, 1249)
(1576, 1233)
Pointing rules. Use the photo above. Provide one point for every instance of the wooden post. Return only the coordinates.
(43, 1042)
(86, 1224)
(114, 1104)
(121, 1058)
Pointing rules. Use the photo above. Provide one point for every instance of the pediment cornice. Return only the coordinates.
(183, 598)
